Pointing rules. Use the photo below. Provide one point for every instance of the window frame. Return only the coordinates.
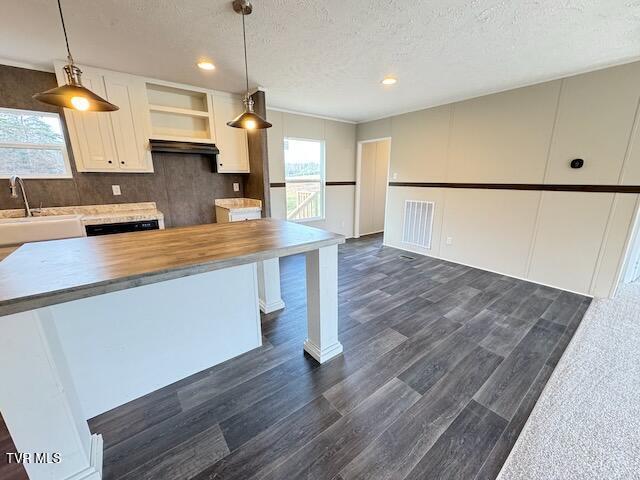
(321, 181)
(41, 146)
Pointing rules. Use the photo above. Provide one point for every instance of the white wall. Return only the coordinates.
(572, 240)
(340, 157)
(122, 345)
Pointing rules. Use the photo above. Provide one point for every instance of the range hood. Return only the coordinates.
(171, 146)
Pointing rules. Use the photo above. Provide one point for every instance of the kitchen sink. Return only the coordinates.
(33, 229)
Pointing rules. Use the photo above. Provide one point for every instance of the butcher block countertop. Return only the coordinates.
(8, 250)
(46, 273)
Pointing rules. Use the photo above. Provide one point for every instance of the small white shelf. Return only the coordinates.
(178, 111)
(176, 97)
(180, 114)
(175, 138)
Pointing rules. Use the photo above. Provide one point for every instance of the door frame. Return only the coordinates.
(627, 271)
(356, 215)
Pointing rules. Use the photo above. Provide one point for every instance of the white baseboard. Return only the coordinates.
(323, 355)
(370, 233)
(486, 269)
(94, 471)
(271, 307)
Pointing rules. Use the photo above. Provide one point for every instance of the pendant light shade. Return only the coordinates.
(248, 120)
(73, 95)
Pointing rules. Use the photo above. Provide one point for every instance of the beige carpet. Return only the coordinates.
(586, 424)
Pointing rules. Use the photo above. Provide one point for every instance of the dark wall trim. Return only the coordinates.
(334, 184)
(329, 184)
(525, 186)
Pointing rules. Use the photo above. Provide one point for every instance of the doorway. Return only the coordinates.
(631, 272)
(372, 172)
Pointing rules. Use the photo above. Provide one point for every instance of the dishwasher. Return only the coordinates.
(121, 227)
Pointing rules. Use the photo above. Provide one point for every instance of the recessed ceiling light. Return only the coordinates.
(389, 81)
(206, 65)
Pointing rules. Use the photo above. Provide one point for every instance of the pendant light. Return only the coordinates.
(73, 94)
(249, 120)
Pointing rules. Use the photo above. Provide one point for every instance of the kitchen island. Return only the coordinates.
(91, 323)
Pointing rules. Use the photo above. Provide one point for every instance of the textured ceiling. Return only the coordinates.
(327, 57)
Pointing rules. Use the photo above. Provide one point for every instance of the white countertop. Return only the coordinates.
(99, 214)
(239, 204)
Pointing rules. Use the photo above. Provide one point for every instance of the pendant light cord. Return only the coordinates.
(244, 37)
(64, 29)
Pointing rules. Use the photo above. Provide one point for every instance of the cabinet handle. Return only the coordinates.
(122, 163)
(109, 161)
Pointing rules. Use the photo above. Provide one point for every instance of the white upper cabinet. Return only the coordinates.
(232, 142)
(90, 133)
(110, 141)
(129, 124)
(151, 109)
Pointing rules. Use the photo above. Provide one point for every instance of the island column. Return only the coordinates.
(40, 405)
(322, 304)
(270, 297)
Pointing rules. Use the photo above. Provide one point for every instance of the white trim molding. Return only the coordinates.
(94, 470)
(356, 209)
(294, 112)
(26, 65)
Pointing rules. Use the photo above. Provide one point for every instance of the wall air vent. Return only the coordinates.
(418, 223)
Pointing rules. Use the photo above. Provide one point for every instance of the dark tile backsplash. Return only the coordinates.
(182, 185)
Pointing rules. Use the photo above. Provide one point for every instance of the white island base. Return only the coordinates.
(65, 363)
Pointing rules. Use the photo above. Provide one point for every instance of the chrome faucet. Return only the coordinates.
(13, 186)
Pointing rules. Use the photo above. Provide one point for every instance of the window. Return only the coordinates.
(304, 177)
(32, 145)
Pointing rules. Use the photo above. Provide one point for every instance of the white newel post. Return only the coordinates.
(39, 404)
(269, 285)
(322, 304)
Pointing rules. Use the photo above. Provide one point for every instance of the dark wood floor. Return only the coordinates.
(442, 366)
(9, 471)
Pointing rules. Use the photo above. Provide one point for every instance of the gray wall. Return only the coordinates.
(183, 186)
(573, 240)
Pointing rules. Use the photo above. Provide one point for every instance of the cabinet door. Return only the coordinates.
(90, 133)
(232, 142)
(241, 216)
(129, 124)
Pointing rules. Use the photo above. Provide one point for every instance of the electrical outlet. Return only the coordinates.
(449, 240)
(236, 187)
(116, 189)
(395, 175)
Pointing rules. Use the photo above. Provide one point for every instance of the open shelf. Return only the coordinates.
(179, 114)
(183, 126)
(173, 138)
(178, 111)
(164, 96)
